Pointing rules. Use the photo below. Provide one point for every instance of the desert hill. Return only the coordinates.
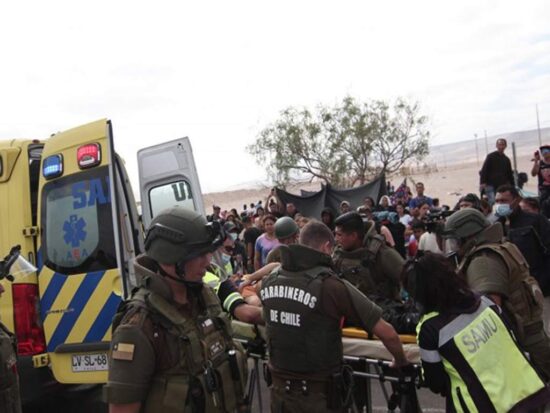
(448, 172)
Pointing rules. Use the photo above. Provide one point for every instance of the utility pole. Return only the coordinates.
(538, 124)
(477, 150)
(515, 163)
(486, 144)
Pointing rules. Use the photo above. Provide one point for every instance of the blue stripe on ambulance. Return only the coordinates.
(49, 296)
(39, 261)
(103, 320)
(77, 304)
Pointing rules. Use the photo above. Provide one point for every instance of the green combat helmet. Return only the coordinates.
(179, 234)
(285, 227)
(465, 223)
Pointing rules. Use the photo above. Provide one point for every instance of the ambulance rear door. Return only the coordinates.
(83, 272)
(167, 178)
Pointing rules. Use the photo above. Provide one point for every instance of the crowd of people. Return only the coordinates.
(409, 223)
(471, 279)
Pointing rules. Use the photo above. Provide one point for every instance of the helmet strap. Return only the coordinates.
(193, 287)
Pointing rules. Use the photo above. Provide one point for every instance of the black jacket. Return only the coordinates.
(496, 170)
(531, 234)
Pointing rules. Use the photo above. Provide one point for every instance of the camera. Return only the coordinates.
(437, 218)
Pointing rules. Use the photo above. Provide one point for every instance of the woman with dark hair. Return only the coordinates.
(468, 354)
(236, 219)
(265, 242)
(368, 202)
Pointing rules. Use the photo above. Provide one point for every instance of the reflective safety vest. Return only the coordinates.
(205, 349)
(300, 338)
(488, 372)
(228, 268)
(213, 280)
(10, 401)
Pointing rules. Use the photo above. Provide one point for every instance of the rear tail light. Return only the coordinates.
(88, 156)
(29, 332)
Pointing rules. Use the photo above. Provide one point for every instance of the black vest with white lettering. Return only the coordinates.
(301, 338)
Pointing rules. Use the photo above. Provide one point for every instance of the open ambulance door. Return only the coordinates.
(168, 178)
(86, 243)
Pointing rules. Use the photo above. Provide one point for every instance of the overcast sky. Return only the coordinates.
(219, 71)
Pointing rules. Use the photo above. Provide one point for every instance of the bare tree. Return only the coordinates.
(342, 145)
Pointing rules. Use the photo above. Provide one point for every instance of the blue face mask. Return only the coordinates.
(233, 236)
(226, 258)
(502, 210)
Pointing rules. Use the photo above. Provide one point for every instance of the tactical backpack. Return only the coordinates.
(525, 299)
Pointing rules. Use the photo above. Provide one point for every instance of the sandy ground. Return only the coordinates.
(446, 183)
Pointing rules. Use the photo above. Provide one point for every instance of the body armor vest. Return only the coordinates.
(357, 267)
(10, 401)
(524, 301)
(210, 374)
(301, 339)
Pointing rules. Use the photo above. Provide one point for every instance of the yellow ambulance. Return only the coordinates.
(70, 205)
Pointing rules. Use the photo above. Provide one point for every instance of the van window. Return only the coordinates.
(171, 195)
(76, 221)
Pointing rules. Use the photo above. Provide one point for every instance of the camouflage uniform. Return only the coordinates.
(374, 268)
(10, 401)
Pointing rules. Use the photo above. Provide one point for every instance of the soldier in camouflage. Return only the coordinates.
(172, 349)
(10, 399)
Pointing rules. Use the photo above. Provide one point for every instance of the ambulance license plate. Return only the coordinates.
(90, 362)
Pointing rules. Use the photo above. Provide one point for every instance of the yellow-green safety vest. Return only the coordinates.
(481, 344)
(212, 279)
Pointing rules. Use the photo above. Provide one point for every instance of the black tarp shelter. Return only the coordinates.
(310, 204)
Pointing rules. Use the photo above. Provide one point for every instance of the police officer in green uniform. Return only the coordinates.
(497, 268)
(171, 349)
(10, 398)
(363, 258)
(10, 401)
(304, 303)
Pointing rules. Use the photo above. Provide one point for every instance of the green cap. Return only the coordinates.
(285, 227)
(178, 234)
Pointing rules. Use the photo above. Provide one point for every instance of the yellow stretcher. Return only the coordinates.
(357, 333)
(356, 342)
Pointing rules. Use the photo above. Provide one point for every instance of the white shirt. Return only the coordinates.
(406, 219)
(428, 242)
